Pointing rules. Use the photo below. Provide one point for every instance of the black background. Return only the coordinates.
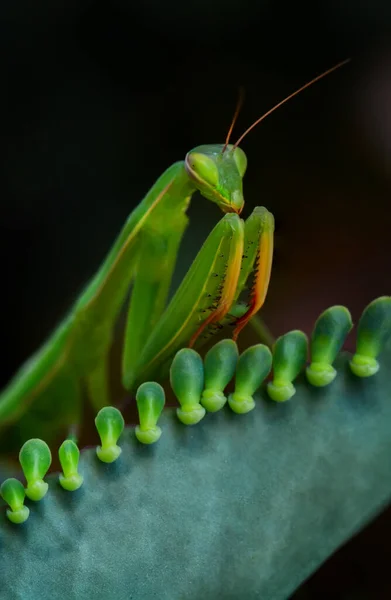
(98, 98)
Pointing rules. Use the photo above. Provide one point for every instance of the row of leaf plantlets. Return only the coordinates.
(199, 387)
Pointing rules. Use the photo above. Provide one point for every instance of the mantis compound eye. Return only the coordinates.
(203, 167)
(240, 160)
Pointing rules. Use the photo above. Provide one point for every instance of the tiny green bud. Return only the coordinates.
(219, 364)
(187, 382)
(150, 400)
(327, 339)
(289, 357)
(13, 493)
(69, 454)
(110, 424)
(253, 366)
(35, 459)
(373, 329)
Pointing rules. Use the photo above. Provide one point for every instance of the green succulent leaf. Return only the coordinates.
(236, 507)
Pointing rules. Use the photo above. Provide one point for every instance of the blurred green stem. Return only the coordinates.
(262, 331)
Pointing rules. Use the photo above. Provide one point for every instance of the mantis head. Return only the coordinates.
(217, 172)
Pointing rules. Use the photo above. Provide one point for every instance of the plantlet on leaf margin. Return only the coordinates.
(253, 366)
(150, 398)
(373, 329)
(187, 382)
(69, 455)
(219, 367)
(327, 339)
(35, 459)
(110, 424)
(13, 492)
(289, 357)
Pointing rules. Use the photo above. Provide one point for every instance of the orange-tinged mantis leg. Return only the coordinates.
(254, 253)
(262, 275)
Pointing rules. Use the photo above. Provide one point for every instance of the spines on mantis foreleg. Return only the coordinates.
(255, 271)
(254, 275)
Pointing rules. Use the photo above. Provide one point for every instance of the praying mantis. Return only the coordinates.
(75, 357)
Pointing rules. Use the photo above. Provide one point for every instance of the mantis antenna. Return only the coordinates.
(269, 112)
(236, 114)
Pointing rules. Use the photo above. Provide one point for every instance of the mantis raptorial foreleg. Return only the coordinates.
(212, 287)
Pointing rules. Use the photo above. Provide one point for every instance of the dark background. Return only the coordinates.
(98, 98)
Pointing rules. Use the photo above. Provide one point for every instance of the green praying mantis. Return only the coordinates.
(75, 357)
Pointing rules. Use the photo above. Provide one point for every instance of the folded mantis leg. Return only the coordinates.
(253, 279)
(211, 289)
(259, 244)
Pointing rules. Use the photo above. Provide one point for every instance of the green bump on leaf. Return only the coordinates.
(289, 357)
(35, 459)
(150, 400)
(187, 382)
(327, 339)
(13, 493)
(219, 364)
(69, 454)
(110, 424)
(373, 329)
(253, 366)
